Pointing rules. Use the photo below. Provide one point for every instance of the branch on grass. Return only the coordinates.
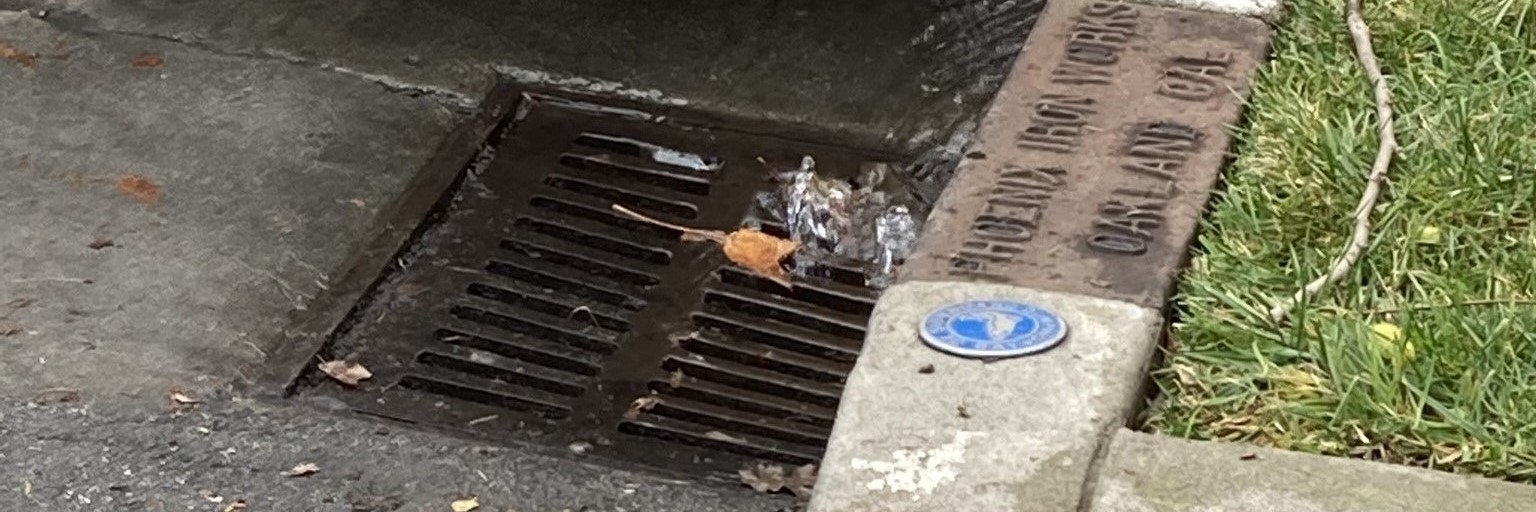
(1361, 237)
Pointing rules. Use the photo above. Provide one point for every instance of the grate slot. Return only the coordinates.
(556, 200)
(687, 433)
(853, 301)
(511, 371)
(591, 235)
(775, 307)
(522, 347)
(576, 283)
(770, 405)
(766, 357)
(600, 164)
(560, 252)
(631, 197)
(777, 334)
(520, 295)
(545, 327)
(444, 383)
(652, 152)
(732, 421)
(755, 379)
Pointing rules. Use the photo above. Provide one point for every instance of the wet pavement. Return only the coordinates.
(234, 153)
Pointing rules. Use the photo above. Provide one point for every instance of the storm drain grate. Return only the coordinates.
(534, 313)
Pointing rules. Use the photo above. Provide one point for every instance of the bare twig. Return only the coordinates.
(701, 234)
(1360, 239)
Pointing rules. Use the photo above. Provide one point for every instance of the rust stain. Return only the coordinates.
(140, 188)
(21, 57)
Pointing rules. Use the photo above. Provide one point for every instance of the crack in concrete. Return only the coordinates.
(70, 21)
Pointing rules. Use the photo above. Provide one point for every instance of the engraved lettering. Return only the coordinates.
(1056, 124)
(1099, 36)
(1195, 78)
(1008, 220)
(1128, 222)
(1073, 73)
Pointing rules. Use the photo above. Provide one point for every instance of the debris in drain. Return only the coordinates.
(644, 403)
(346, 372)
(754, 250)
(767, 478)
(868, 220)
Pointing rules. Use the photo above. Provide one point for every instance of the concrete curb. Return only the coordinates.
(921, 430)
(1150, 473)
(1081, 195)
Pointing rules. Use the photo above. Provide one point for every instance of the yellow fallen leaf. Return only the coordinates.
(465, 505)
(1387, 332)
(346, 372)
(1429, 235)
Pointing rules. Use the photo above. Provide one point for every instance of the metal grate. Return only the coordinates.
(534, 313)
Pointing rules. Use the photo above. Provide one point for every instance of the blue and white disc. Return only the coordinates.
(992, 328)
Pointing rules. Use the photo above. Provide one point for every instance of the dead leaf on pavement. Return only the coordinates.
(236, 506)
(21, 57)
(140, 188)
(346, 372)
(181, 397)
(148, 60)
(767, 478)
(305, 469)
(752, 249)
(101, 243)
(7, 329)
(465, 505)
(644, 403)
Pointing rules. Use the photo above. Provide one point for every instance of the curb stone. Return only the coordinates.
(1092, 166)
(1153, 473)
(1268, 10)
(1009, 435)
(1081, 196)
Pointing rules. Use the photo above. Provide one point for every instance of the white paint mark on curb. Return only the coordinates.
(920, 471)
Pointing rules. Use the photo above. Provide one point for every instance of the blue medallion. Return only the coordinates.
(992, 328)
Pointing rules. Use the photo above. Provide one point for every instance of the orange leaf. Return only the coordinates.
(21, 57)
(760, 252)
(148, 60)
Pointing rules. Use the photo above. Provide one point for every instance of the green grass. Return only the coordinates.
(1456, 389)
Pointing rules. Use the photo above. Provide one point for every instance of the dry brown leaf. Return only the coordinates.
(754, 250)
(140, 188)
(346, 372)
(180, 397)
(8, 329)
(766, 478)
(101, 243)
(305, 469)
(644, 403)
(236, 506)
(760, 252)
(148, 60)
(465, 505)
(21, 57)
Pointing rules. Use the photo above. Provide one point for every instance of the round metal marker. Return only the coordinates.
(992, 328)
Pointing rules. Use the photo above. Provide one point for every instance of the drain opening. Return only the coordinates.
(547, 318)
